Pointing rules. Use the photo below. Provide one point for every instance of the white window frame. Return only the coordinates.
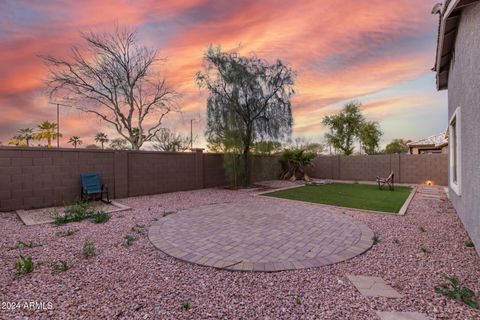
(455, 141)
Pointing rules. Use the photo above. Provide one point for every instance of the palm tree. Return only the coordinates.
(26, 134)
(75, 140)
(47, 131)
(101, 138)
(17, 141)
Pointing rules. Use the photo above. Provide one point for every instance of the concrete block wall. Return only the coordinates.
(407, 168)
(42, 177)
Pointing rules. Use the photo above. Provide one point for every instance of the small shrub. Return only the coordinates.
(66, 233)
(79, 211)
(422, 229)
(375, 240)
(128, 240)
(297, 300)
(455, 290)
(23, 245)
(185, 305)
(100, 217)
(396, 241)
(469, 244)
(24, 265)
(88, 249)
(60, 266)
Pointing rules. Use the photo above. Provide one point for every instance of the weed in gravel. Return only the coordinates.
(100, 217)
(79, 211)
(298, 300)
(396, 241)
(60, 266)
(425, 250)
(185, 305)
(138, 228)
(422, 229)
(66, 233)
(375, 240)
(455, 290)
(88, 249)
(24, 265)
(469, 244)
(128, 240)
(23, 245)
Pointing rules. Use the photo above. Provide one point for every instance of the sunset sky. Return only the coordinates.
(375, 51)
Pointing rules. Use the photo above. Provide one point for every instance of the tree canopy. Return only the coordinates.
(350, 125)
(397, 146)
(249, 100)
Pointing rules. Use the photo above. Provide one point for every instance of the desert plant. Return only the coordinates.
(66, 233)
(60, 266)
(24, 265)
(375, 240)
(138, 228)
(295, 163)
(298, 300)
(23, 245)
(185, 305)
(88, 249)
(396, 241)
(422, 229)
(100, 217)
(454, 289)
(128, 240)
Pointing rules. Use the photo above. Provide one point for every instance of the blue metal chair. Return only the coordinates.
(91, 187)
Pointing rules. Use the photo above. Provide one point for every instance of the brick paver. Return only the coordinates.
(373, 287)
(260, 235)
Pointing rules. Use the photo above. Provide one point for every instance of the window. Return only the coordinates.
(454, 142)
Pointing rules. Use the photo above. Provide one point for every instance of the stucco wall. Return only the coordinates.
(464, 92)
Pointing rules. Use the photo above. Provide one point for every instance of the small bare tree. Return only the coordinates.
(167, 140)
(113, 77)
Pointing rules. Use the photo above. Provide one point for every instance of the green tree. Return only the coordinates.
(249, 100)
(17, 141)
(26, 134)
(101, 138)
(369, 135)
(397, 146)
(75, 141)
(48, 131)
(344, 127)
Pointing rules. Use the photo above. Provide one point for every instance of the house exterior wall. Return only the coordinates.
(421, 150)
(464, 92)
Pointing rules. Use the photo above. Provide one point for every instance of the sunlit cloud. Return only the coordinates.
(357, 50)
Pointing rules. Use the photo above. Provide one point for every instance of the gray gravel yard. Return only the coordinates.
(140, 282)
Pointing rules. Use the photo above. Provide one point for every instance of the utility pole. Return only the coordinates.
(58, 119)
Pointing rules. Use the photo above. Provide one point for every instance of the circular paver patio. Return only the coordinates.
(260, 235)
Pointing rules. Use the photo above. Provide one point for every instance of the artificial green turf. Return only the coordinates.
(359, 196)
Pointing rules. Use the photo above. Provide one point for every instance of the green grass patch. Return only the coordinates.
(358, 196)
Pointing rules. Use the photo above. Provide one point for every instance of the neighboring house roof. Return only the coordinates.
(437, 141)
(450, 14)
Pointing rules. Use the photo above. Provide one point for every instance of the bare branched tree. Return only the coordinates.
(114, 77)
(167, 140)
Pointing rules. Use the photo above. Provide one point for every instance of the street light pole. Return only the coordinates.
(191, 133)
(58, 119)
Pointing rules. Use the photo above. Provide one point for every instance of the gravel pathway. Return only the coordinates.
(140, 282)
